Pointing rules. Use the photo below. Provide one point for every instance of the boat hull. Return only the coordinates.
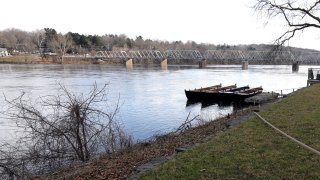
(216, 96)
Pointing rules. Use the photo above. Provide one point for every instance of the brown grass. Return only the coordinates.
(36, 59)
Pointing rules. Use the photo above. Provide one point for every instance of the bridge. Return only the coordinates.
(213, 56)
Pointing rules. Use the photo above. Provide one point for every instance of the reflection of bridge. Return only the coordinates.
(215, 56)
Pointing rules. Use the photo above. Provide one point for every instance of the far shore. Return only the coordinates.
(37, 59)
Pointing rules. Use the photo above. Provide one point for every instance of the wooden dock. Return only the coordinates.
(312, 81)
(262, 98)
(313, 76)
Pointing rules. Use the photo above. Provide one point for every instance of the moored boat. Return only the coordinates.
(226, 93)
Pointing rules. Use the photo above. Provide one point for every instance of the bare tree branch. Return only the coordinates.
(297, 15)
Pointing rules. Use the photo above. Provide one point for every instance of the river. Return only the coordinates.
(152, 100)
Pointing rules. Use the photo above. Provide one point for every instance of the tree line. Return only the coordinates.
(298, 16)
(48, 40)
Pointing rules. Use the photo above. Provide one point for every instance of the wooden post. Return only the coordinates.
(245, 65)
(310, 73)
(164, 64)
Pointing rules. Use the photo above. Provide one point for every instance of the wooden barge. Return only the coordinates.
(220, 93)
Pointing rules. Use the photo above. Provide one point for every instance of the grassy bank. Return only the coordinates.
(254, 150)
(21, 59)
(36, 59)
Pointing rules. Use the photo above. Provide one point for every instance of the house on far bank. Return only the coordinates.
(3, 52)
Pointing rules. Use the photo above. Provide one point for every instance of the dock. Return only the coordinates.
(261, 98)
(313, 76)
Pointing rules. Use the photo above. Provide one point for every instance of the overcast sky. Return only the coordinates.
(204, 21)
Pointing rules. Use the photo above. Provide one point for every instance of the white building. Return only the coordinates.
(3, 52)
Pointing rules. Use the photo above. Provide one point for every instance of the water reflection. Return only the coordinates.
(211, 110)
(236, 105)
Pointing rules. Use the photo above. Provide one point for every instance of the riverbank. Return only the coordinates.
(254, 150)
(36, 59)
(129, 163)
(21, 59)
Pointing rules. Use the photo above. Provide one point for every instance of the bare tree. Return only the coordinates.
(61, 44)
(298, 15)
(59, 130)
(9, 40)
(38, 38)
(17, 41)
(2, 39)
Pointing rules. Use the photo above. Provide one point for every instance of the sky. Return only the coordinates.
(231, 22)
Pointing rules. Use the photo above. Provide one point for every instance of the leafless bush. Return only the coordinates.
(187, 124)
(60, 129)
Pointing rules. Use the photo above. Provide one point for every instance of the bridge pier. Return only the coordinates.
(164, 64)
(295, 66)
(129, 64)
(245, 65)
(203, 63)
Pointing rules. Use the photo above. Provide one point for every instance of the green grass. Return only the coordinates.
(253, 150)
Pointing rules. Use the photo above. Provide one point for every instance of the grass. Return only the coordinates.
(20, 59)
(36, 59)
(253, 150)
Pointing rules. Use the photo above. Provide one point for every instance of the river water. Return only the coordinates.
(152, 100)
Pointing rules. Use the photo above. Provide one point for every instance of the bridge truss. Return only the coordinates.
(151, 54)
(257, 57)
